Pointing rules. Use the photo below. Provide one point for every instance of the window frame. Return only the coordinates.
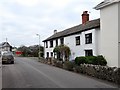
(88, 38)
(87, 52)
(76, 40)
(56, 42)
(62, 41)
(51, 43)
(46, 44)
(47, 54)
(51, 54)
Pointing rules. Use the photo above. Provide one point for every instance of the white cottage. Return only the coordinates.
(81, 39)
(92, 37)
(5, 46)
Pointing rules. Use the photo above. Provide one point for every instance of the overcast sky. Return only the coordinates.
(21, 20)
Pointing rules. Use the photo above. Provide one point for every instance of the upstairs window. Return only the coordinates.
(62, 41)
(51, 43)
(88, 38)
(57, 42)
(77, 40)
(46, 44)
(88, 52)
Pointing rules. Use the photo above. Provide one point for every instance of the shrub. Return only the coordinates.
(95, 60)
(68, 65)
(91, 60)
(80, 60)
(101, 60)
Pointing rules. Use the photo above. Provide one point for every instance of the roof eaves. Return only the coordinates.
(105, 3)
(70, 34)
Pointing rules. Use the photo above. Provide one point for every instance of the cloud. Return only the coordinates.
(28, 2)
(20, 20)
(53, 3)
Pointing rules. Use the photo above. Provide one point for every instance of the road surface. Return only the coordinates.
(29, 73)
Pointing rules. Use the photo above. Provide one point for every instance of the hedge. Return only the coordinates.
(95, 60)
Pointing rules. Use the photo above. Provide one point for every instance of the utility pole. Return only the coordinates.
(39, 53)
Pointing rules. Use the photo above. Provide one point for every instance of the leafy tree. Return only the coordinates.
(25, 51)
(31, 50)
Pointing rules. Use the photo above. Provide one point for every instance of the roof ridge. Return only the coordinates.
(75, 29)
(78, 25)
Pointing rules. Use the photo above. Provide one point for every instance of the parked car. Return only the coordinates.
(8, 57)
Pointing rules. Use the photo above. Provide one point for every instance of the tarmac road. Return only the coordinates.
(28, 73)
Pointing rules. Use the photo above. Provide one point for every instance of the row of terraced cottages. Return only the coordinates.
(92, 37)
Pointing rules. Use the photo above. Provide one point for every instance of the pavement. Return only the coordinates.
(29, 73)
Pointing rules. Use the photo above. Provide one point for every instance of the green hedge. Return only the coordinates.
(80, 60)
(101, 60)
(95, 60)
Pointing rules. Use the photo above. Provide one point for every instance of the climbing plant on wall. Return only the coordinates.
(62, 52)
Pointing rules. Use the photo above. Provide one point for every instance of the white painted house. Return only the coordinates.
(110, 30)
(92, 37)
(5, 46)
(81, 39)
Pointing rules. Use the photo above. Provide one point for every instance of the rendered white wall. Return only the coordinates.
(80, 49)
(119, 35)
(109, 34)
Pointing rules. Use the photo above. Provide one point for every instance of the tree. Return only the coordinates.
(35, 49)
(63, 52)
(25, 50)
(31, 50)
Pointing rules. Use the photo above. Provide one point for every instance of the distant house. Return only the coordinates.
(5, 46)
(92, 37)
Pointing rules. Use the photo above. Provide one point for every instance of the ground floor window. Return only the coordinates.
(51, 54)
(88, 52)
(47, 54)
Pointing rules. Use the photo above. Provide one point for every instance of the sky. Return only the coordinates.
(21, 20)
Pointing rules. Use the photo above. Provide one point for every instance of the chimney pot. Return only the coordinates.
(85, 17)
(55, 31)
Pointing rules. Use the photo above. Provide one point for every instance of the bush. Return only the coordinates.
(91, 60)
(68, 65)
(80, 60)
(95, 60)
(101, 60)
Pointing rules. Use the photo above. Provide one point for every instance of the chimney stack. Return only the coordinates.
(85, 17)
(55, 31)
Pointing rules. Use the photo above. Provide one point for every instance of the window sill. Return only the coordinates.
(88, 43)
(78, 45)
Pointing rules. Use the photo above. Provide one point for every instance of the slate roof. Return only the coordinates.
(105, 3)
(5, 44)
(76, 29)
